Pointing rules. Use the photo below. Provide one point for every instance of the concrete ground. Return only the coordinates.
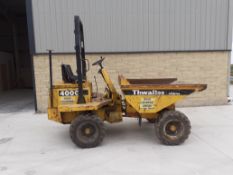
(32, 145)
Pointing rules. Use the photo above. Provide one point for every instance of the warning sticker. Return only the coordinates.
(67, 100)
(147, 103)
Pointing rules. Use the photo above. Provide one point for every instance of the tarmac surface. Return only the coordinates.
(30, 144)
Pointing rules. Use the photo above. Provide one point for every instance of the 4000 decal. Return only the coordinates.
(71, 92)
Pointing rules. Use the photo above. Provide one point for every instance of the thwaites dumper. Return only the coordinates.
(73, 101)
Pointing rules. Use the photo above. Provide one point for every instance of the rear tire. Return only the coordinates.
(87, 131)
(173, 128)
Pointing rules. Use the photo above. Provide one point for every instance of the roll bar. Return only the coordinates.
(80, 56)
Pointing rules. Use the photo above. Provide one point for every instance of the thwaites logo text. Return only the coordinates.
(152, 92)
(66, 93)
(158, 92)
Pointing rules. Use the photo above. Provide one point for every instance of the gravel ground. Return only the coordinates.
(32, 145)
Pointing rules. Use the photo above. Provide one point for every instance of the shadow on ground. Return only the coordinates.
(16, 100)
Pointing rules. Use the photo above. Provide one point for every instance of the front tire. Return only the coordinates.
(173, 128)
(87, 131)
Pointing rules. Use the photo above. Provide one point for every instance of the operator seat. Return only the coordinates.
(67, 74)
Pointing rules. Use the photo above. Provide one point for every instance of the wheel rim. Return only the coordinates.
(173, 129)
(87, 132)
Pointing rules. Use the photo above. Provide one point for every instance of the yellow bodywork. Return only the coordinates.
(62, 93)
(64, 98)
(64, 106)
(147, 105)
(89, 106)
(141, 100)
(151, 104)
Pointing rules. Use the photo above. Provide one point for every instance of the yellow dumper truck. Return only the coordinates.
(74, 102)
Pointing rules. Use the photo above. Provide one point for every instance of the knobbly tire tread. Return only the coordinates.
(87, 117)
(159, 116)
(166, 115)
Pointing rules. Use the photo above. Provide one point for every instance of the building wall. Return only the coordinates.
(131, 25)
(192, 67)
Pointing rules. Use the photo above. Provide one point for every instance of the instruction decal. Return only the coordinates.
(67, 100)
(147, 103)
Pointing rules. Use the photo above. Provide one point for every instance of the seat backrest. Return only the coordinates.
(67, 74)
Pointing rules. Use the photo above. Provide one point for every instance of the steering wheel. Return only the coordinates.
(99, 62)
